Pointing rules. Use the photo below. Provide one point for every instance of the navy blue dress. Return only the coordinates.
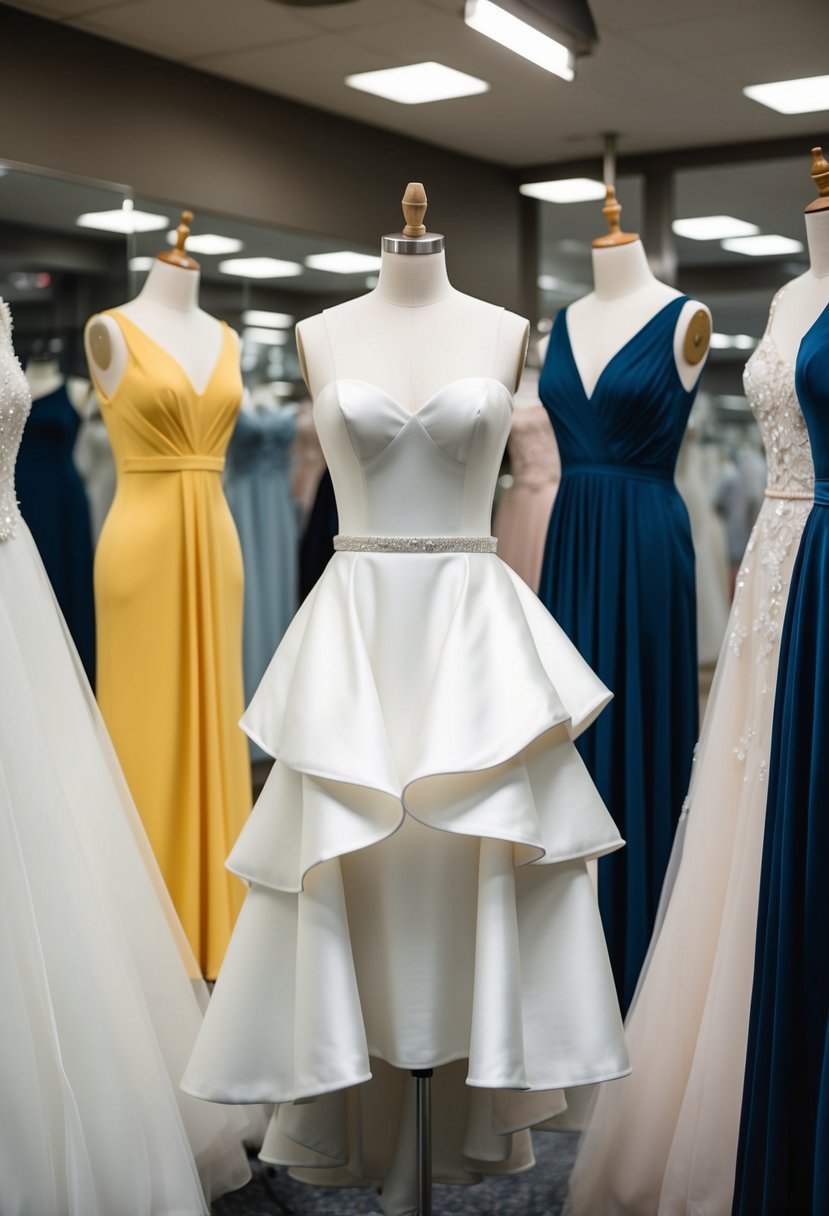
(783, 1156)
(54, 504)
(618, 576)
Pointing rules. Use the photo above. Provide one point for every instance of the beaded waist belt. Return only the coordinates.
(173, 464)
(415, 544)
(805, 495)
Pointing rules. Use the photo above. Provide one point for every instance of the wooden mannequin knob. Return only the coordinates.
(414, 209)
(176, 256)
(612, 211)
(820, 176)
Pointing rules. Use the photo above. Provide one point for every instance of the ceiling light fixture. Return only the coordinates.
(343, 262)
(208, 243)
(767, 245)
(804, 96)
(713, 228)
(267, 320)
(265, 337)
(125, 220)
(260, 268)
(565, 190)
(550, 33)
(418, 83)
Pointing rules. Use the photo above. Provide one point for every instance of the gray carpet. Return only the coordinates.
(539, 1192)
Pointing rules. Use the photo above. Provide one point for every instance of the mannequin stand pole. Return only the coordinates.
(423, 1084)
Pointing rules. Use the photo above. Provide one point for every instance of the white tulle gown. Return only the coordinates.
(419, 892)
(98, 1011)
(663, 1142)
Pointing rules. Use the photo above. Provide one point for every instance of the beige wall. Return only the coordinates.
(81, 105)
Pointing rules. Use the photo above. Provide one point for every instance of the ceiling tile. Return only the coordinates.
(792, 25)
(351, 16)
(60, 9)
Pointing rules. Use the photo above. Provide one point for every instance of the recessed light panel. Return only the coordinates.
(565, 190)
(208, 243)
(516, 35)
(343, 262)
(763, 246)
(732, 342)
(265, 337)
(713, 228)
(125, 220)
(267, 320)
(260, 268)
(805, 96)
(418, 83)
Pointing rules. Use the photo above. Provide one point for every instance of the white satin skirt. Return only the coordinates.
(419, 891)
(99, 996)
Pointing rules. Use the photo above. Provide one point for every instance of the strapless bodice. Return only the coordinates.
(428, 472)
(15, 404)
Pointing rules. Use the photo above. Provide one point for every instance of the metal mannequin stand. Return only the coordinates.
(423, 1098)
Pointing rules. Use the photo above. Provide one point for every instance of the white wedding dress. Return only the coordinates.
(98, 1011)
(419, 891)
(663, 1142)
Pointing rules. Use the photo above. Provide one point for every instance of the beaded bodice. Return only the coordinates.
(15, 404)
(769, 386)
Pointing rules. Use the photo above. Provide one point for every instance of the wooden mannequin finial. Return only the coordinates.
(414, 209)
(820, 176)
(177, 256)
(612, 211)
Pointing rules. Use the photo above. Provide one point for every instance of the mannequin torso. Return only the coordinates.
(45, 377)
(807, 296)
(381, 337)
(626, 297)
(167, 311)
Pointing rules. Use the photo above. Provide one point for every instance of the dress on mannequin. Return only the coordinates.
(99, 992)
(784, 1130)
(618, 576)
(169, 598)
(663, 1141)
(419, 889)
(56, 509)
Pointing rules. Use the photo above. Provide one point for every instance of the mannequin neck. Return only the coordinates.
(412, 280)
(172, 287)
(620, 270)
(817, 239)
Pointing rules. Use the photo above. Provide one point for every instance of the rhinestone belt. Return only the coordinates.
(415, 544)
(805, 495)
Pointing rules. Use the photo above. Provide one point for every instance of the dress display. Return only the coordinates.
(695, 483)
(95, 463)
(419, 888)
(258, 491)
(782, 1158)
(523, 514)
(618, 576)
(98, 990)
(169, 588)
(663, 1142)
(54, 504)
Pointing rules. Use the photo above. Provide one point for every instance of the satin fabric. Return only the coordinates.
(618, 576)
(169, 592)
(523, 514)
(417, 861)
(54, 504)
(783, 1147)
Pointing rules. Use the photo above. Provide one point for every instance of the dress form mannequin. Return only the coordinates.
(414, 308)
(167, 310)
(626, 296)
(45, 377)
(807, 296)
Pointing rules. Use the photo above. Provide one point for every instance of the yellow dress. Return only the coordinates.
(168, 597)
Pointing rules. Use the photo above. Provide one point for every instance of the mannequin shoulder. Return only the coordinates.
(692, 340)
(314, 351)
(513, 343)
(106, 351)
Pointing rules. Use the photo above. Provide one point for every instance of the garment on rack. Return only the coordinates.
(96, 465)
(618, 576)
(523, 514)
(54, 504)
(317, 545)
(419, 889)
(708, 533)
(98, 990)
(663, 1142)
(169, 588)
(783, 1133)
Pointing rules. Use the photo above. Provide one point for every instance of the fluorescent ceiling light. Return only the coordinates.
(267, 320)
(265, 337)
(766, 245)
(565, 190)
(208, 242)
(713, 228)
(343, 262)
(126, 219)
(805, 96)
(418, 83)
(732, 342)
(515, 34)
(550, 282)
(141, 264)
(260, 268)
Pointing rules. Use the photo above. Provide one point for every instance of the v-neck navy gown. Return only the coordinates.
(618, 576)
(783, 1156)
